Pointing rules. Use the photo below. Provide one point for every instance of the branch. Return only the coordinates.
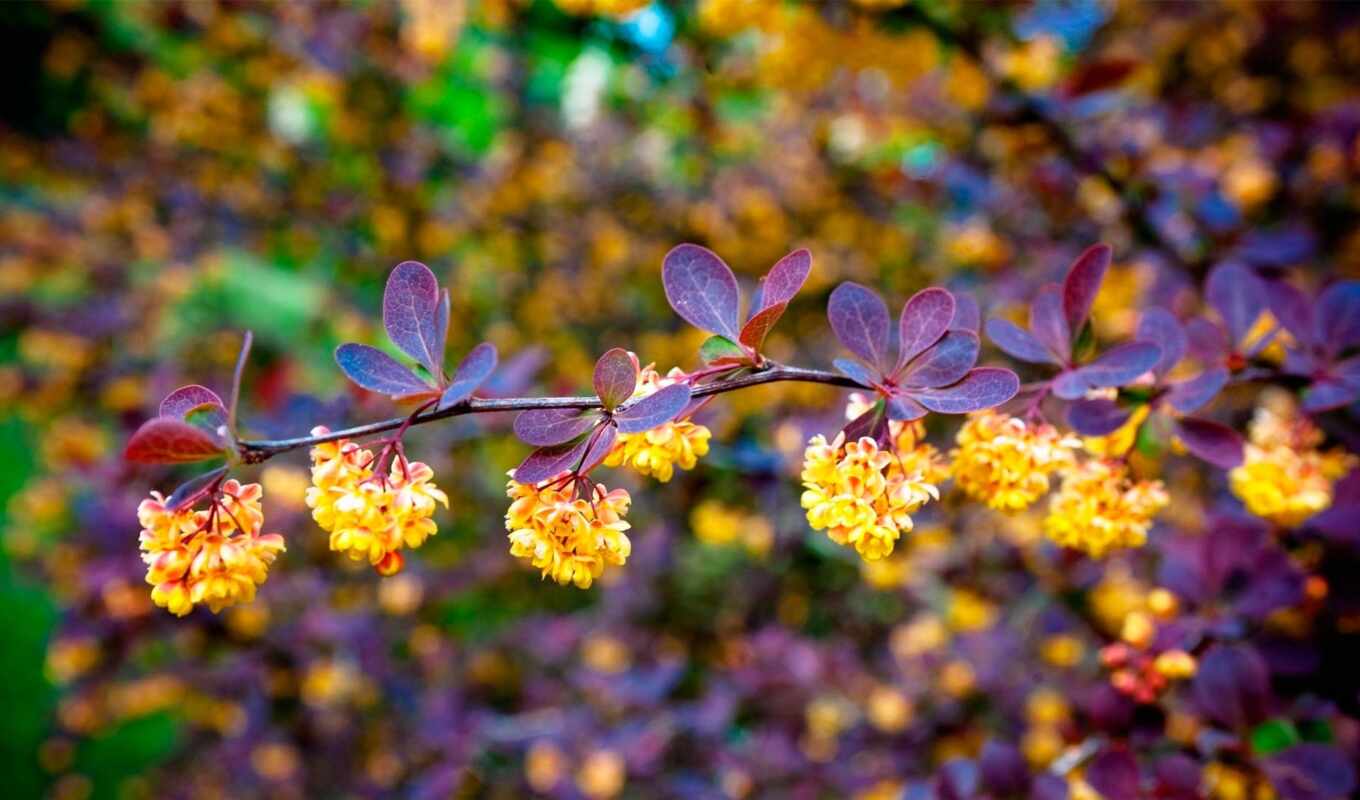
(259, 450)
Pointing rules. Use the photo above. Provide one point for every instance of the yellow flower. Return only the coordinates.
(567, 537)
(1006, 463)
(1284, 477)
(656, 452)
(371, 517)
(214, 556)
(862, 495)
(1100, 508)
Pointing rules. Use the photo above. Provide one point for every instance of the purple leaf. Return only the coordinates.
(1114, 774)
(1018, 343)
(1235, 293)
(872, 423)
(616, 376)
(1196, 392)
(1070, 385)
(981, 388)
(546, 427)
(1348, 372)
(902, 408)
(165, 440)
(855, 371)
(967, 317)
(1326, 394)
(472, 372)
(1047, 323)
(1096, 416)
(859, 319)
(655, 409)
(185, 398)
(1004, 771)
(1160, 327)
(702, 289)
(944, 363)
(194, 489)
(412, 314)
(378, 372)
(597, 447)
(1120, 365)
(1207, 341)
(548, 462)
(1311, 771)
(755, 330)
(785, 278)
(1336, 319)
(925, 318)
(1231, 685)
(1082, 284)
(1291, 308)
(1214, 442)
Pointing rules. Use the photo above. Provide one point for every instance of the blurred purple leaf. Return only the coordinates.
(983, 387)
(967, 317)
(1212, 441)
(702, 289)
(859, 319)
(412, 310)
(616, 376)
(655, 409)
(1114, 774)
(1291, 308)
(182, 400)
(1235, 292)
(472, 372)
(925, 318)
(1098, 416)
(1003, 768)
(1018, 343)
(1047, 323)
(784, 279)
(902, 408)
(165, 440)
(1082, 284)
(1207, 341)
(1311, 771)
(1048, 786)
(1160, 327)
(1178, 777)
(1326, 394)
(1336, 318)
(545, 427)
(1231, 685)
(1120, 365)
(855, 371)
(378, 372)
(1195, 393)
(517, 373)
(1070, 385)
(192, 490)
(943, 363)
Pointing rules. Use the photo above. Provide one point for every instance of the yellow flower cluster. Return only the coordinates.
(568, 537)
(1101, 508)
(371, 517)
(657, 452)
(215, 556)
(862, 495)
(1006, 463)
(1285, 478)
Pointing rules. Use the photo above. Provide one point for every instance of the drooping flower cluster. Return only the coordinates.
(656, 452)
(369, 516)
(215, 556)
(1005, 462)
(863, 495)
(566, 536)
(1101, 508)
(1285, 477)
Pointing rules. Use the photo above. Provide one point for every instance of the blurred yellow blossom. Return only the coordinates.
(1100, 508)
(1285, 477)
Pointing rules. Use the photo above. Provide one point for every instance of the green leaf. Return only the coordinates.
(719, 347)
(1272, 736)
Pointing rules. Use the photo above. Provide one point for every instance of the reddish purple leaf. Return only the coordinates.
(1114, 774)
(1236, 294)
(1082, 284)
(655, 409)
(1018, 343)
(1232, 685)
(872, 423)
(855, 371)
(1326, 394)
(702, 289)
(1160, 327)
(1195, 393)
(981, 388)
(472, 372)
(616, 376)
(967, 317)
(1047, 323)
(902, 408)
(1120, 365)
(1003, 768)
(165, 440)
(1336, 319)
(182, 400)
(597, 447)
(859, 318)
(546, 427)
(194, 489)
(1098, 76)
(1096, 416)
(1311, 771)
(925, 318)
(1070, 385)
(1207, 341)
(1290, 307)
(548, 462)
(785, 278)
(412, 312)
(944, 363)
(755, 330)
(378, 372)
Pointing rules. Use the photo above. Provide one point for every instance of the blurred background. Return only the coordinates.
(173, 173)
